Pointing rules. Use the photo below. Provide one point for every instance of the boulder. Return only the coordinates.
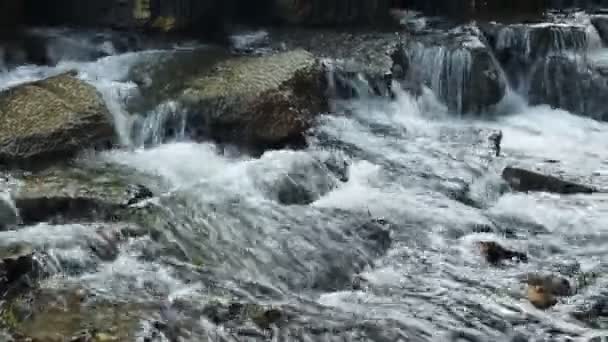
(540, 297)
(76, 194)
(495, 253)
(525, 181)
(460, 68)
(262, 101)
(543, 290)
(52, 119)
(17, 269)
(330, 13)
(572, 84)
(358, 64)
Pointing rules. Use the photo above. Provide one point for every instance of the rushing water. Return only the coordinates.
(235, 237)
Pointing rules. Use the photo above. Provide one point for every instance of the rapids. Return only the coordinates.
(234, 235)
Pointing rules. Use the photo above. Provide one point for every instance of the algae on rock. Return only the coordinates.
(51, 119)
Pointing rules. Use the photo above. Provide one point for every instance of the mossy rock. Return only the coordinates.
(78, 193)
(262, 100)
(52, 119)
(64, 315)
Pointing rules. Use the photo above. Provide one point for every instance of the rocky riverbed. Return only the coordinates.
(436, 182)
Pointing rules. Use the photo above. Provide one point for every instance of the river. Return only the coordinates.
(236, 236)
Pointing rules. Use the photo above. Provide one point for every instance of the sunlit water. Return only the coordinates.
(232, 238)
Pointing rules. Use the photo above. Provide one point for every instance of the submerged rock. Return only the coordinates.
(260, 101)
(460, 68)
(236, 313)
(52, 119)
(495, 253)
(75, 194)
(524, 181)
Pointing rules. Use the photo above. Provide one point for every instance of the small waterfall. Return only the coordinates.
(346, 81)
(462, 71)
(167, 121)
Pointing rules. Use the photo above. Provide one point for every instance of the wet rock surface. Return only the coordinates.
(52, 118)
(265, 101)
(524, 180)
(495, 254)
(356, 61)
(76, 194)
(18, 269)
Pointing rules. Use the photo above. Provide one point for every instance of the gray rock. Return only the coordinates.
(8, 213)
(524, 181)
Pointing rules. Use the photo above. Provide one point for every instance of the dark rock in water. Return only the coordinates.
(17, 269)
(52, 119)
(524, 181)
(232, 313)
(267, 101)
(377, 234)
(8, 214)
(495, 253)
(303, 183)
(137, 193)
(460, 68)
(601, 25)
(570, 83)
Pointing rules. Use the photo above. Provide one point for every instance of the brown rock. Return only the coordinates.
(540, 297)
(495, 253)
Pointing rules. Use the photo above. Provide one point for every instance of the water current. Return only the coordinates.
(237, 236)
